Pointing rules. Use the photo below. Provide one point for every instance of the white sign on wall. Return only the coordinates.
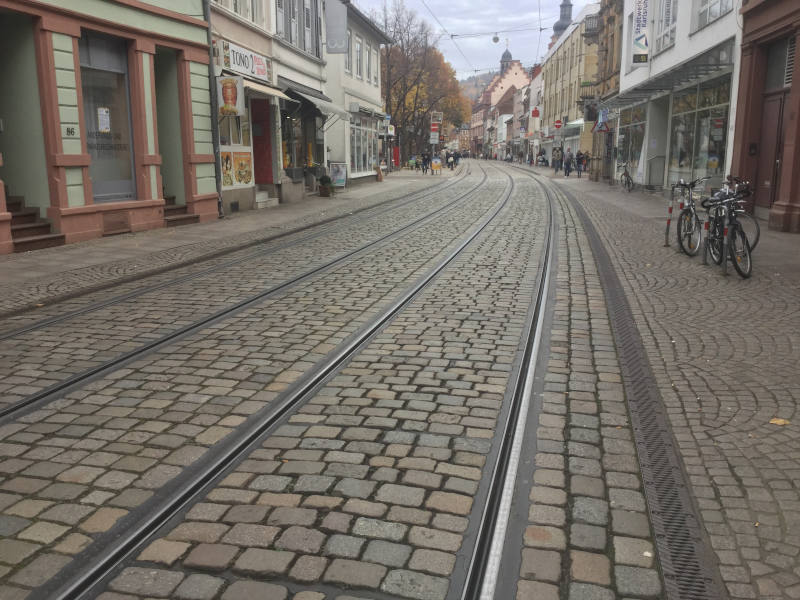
(246, 62)
(639, 47)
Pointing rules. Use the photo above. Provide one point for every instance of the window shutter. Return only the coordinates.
(787, 78)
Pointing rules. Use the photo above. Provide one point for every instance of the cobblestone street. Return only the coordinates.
(322, 415)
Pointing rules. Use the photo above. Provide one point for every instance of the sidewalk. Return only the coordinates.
(724, 353)
(43, 275)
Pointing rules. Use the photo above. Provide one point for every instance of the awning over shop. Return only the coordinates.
(265, 90)
(717, 61)
(325, 107)
(575, 123)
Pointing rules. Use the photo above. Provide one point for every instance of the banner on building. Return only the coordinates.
(230, 93)
(241, 60)
(640, 47)
(335, 27)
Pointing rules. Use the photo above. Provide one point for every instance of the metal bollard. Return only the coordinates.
(669, 215)
(725, 243)
(704, 240)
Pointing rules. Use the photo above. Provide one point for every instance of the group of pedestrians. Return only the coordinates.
(451, 159)
(569, 162)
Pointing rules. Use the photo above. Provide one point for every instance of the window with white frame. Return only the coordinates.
(666, 18)
(709, 11)
(369, 62)
(377, 68)
(359, 59)
(297, 22)
(348, 58)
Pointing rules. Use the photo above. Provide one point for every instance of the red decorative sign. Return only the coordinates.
(535, 112)
(558, 124)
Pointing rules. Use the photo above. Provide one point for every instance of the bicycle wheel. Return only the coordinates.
(628, 183)
(751, 229)
(739, 250)
(714, 240)
(689, 232)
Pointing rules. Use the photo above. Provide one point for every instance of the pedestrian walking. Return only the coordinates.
(568, 160)
(579, 163)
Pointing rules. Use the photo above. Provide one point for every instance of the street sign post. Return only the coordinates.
(434, 137)
(558, 123)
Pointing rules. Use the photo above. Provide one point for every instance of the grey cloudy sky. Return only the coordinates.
(487, 16)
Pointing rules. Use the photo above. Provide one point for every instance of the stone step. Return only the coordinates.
(170, 210)
(177, 220)
(24, 215)
(37, 242)
(23, 230)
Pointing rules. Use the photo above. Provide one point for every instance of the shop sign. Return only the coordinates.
(246, 62)
(237, 169)
(338, 174)
(336, 28)
(535, 111)
(640, 46)
(230, 93)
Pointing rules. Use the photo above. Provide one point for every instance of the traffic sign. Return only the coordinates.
(558, 123)
(434, 126)
(437, 117)
(434, 137)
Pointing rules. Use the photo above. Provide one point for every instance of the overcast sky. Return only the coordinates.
(486, 17)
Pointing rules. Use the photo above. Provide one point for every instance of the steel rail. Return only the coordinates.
(484, 562)
(79, 379)
(403, 200)
(126, 543)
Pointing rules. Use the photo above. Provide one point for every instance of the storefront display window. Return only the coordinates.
(363, 144)
(698, 132)
(235, 150)
(631, 136)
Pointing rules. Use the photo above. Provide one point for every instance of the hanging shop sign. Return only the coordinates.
(390, 129)
(244, 61)
(336, 28)
(535, 111)
(230, 92)
(640, 47)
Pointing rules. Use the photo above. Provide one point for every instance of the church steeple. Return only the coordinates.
(505, 61)
(564, 20)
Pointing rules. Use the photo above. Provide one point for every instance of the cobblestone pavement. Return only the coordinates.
(83, 465)
(588, 534)
(37, 359)
(46, 275)
(371, 485)
(725, 353)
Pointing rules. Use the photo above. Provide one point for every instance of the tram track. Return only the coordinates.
(76, 381)
(119, 546)
(320, 228)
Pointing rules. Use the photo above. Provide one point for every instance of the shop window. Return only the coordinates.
(363, 144)
(709, 11)
(631, 135)
(698, 131)
(666, 19)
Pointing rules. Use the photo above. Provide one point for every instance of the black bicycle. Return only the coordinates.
(724, 209)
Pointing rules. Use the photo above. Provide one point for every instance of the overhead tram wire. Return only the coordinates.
(452, 39)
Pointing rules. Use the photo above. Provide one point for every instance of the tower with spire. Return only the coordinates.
(563, 21)
(505, 61)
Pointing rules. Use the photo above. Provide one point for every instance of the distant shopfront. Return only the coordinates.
(104, 121)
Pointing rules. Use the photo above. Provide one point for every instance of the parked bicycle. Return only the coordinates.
(725, 232)
(625, 180)
(690, 225)
(748, 222)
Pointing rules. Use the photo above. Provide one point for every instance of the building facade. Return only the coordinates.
(107, 120)
(354, 83)
(675, 106)
(569, 71)
(766, 150)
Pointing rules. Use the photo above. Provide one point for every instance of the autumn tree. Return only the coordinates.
(418, 80)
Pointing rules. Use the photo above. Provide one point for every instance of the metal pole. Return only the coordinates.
(669, 215)
(212, 88)
(724, 240)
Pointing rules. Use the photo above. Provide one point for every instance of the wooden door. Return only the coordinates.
(262, 141)
(769, 150)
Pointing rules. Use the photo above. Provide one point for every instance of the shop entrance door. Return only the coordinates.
(106, 111)
(262, 148)
(769, 149)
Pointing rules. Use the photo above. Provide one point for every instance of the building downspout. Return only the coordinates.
(212, 88)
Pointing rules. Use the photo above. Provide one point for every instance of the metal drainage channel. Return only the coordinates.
(75, 381)
(403, 200)
(184, 493)
(688, 566)
(484, 563)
